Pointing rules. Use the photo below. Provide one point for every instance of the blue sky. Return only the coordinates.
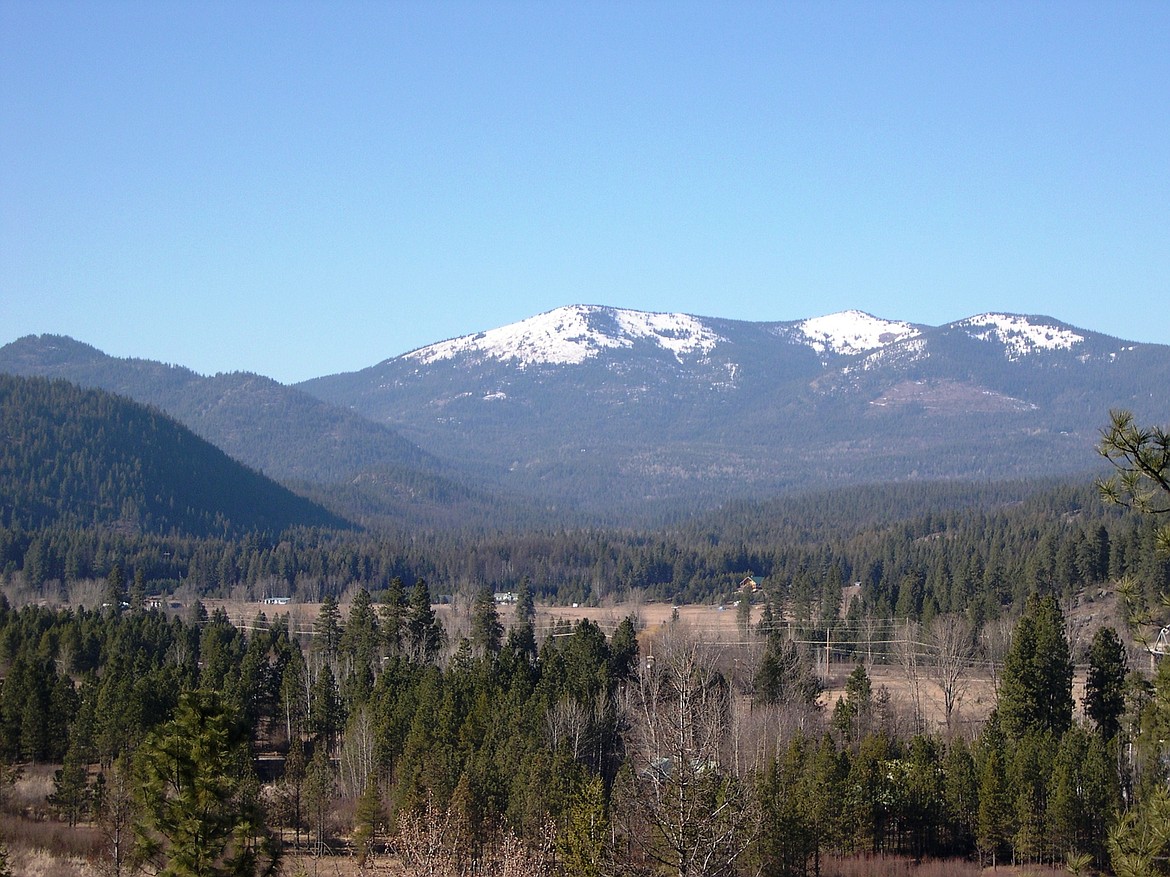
(300, 189)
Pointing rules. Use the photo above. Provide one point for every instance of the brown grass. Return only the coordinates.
(897, 866)
(900, 866)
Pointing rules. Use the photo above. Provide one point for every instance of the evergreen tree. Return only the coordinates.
(522, 636)
(623, 650)
(1141, 457)
(326, 716)
(327, 628)
(424, 632)
(783, 677)
(960, 795)
(392, 616)
(115, 588)
(851, 715)
(787, 832)
(358, 644)
(200, 816)
(369, 817)
(137, 597)
(320, 786)
(358, 651)
(993, 826)
(486, 631)
(1035, 693)
(115, 810)
(1105, 684)
(582, 843)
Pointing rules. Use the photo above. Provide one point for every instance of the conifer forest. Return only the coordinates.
(937, 679)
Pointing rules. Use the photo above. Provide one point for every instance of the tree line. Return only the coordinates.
(978, 556)
(658, 753)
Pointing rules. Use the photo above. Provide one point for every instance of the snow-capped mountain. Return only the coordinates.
(619, 411)
(644, 407)
(571, 335)
(1021, 336)
(851, 332)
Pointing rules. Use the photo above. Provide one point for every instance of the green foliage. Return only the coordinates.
(582, 842)
(784, 676)
(1036, 688)
(994, 820)
(424, 632)
(487, 632)
(1105, 683)
(369, 819)
(1139, 844)
(1141, 458)
(200, 813)
(852, 713)
(82, 457)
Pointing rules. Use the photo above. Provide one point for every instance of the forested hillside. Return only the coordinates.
(915, 552)
(394, 744)
(74, 459)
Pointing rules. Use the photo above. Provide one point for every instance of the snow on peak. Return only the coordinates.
(570, 335)
(851, 332)
(1019, 335)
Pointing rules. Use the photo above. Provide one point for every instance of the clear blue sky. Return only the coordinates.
(300, 189)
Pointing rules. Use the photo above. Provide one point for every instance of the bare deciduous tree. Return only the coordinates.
(435, 842)
(907, 650)
(952, 645)
(681, 804)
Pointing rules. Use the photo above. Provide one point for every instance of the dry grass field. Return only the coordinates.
(710, 624)
(718, 626)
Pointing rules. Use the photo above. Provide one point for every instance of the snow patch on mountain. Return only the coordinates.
(909, 351)
(1019, 335)
(851, 332)
(571, 335)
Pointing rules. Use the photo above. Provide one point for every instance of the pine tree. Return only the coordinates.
(392, 615)
(327, 628)
(994, 816)
(320, 785)
(1035, 693)
(115, 588)
(486, 631)
(623, 650)
(424, 632)
(1105, 684)
(200, 816)
(71, 787)
(960, 795)
(1141, 457)
(582, 843)
(522, 636)
(369, 817)
(138, 591)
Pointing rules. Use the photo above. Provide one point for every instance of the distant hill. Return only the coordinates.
(78, 457)
(281, 431)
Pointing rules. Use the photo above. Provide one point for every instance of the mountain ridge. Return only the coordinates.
(676, 407)
(620, 413)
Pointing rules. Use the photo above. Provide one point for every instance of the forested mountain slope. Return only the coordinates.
(76, 457)
(278, 430)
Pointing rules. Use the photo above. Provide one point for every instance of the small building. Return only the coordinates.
(277, 601)
(751, 584)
